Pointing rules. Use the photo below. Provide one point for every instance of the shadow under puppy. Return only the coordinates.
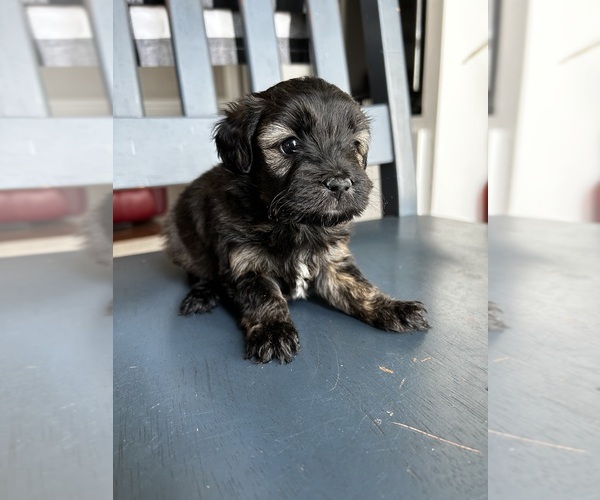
(272, 221)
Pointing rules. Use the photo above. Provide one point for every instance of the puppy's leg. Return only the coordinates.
(202, 297)
(344, 287)
(265, 317)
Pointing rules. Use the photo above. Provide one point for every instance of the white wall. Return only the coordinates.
(460, 152)
(424, 125)
(554, 168)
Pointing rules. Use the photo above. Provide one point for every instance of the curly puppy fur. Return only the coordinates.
(271, 223)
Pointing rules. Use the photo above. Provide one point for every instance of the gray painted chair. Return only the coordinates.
(144, 153)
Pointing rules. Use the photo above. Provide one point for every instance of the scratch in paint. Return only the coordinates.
(537, 441)
(337, 364)
(437, 438)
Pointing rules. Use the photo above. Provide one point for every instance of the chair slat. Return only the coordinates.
(194, 68)
(101, 16)
(389, 83)
(261, 45)
(21, 90)
(127, 96)
(327, 42)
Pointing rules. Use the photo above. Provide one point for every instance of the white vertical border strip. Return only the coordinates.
(424, 161)
(426, 121)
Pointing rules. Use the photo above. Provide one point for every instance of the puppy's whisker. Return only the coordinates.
(376, 199)
(279, 199)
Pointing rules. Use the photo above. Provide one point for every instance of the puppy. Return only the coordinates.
(272, 222)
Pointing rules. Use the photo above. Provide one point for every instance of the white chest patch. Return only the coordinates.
(302, 278)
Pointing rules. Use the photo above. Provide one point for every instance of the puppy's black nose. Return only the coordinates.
(338, 185)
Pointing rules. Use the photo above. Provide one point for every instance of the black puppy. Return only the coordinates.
(272, 221)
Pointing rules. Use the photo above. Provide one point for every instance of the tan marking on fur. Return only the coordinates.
(247, 259)
(336, 286)
(336, 281)
(365, 295)
(249, 326)
(269, 139)
(363, 138)
(276, 162)
(273, 134)
(338, 253)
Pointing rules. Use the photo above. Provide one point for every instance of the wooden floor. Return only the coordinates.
(544, 382)
(359, 413)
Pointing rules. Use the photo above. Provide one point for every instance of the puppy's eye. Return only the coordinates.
(290, 146)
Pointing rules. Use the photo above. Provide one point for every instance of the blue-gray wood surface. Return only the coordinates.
(55, 378)
(192, 419)
(544, 382)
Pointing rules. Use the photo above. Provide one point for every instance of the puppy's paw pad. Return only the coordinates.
(197, 301)
(265, 342)
(402, 316)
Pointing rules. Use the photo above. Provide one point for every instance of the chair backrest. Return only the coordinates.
(38, 150)
(152, 151)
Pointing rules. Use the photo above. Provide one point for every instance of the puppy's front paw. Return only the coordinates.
(200, 299)
(267, 341)
(399, 316)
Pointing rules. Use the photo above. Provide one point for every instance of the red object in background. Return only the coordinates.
(33, 205)
(138, 205)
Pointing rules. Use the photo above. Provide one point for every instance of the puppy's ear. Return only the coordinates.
(233, 134)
